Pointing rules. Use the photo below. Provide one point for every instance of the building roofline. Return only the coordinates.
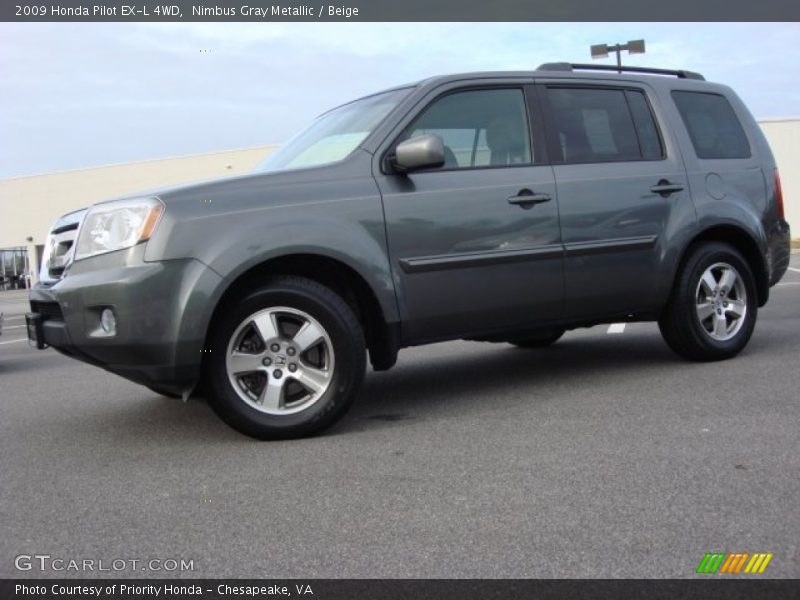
(776, 119)
(138, 162)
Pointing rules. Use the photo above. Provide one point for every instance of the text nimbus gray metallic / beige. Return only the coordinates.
(274, 10)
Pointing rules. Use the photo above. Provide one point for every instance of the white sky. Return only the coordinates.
(84, 94)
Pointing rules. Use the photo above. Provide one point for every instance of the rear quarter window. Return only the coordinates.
(712, 125)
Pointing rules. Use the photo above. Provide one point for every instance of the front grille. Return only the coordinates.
(50, 311)
(60, 254)
(59, 249)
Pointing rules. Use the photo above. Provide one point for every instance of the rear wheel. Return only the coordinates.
(541, 340)
(286, 361)
(712, 311)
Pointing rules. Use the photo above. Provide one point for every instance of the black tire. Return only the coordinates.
(680, 323)
(346, 337)
(542, 340)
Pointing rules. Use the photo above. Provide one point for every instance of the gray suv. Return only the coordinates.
(504, 207)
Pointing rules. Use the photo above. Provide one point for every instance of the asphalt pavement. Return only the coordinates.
(602, 456)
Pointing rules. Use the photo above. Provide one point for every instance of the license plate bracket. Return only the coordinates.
(33, 323)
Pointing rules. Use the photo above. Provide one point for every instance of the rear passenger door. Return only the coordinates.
(622, 191)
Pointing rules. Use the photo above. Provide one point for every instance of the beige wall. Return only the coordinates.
(30, 205)
(784, 139)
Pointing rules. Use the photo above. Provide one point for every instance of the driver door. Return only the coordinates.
(469, 254)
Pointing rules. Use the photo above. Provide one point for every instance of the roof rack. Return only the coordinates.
(563, 66)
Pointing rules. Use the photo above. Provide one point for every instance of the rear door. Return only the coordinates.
(474, 245)
(622, 192)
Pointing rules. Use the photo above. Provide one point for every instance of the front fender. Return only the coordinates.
(242, 228)
(361, 247)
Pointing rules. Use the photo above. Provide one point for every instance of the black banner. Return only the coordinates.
(391, 589)
(393, 10)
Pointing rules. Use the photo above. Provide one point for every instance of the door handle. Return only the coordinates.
(664, 188)
(526, 198)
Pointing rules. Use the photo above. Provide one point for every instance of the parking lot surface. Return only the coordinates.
(602, 456)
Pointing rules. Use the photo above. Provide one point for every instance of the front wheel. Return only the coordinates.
(712, 311)
(287, 360)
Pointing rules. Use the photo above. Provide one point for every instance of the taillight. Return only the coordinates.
(779, 196)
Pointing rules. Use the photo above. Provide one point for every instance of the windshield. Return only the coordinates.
(333, 135)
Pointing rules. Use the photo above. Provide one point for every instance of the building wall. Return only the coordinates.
(30, 205)
(784, 139)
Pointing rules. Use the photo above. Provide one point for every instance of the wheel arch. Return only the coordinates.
(382, 334)
(740, 239)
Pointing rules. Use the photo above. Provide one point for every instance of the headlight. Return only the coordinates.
(116, 225)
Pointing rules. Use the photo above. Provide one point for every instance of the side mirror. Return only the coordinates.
(422, 152)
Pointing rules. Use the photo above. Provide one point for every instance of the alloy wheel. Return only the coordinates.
(280, 360)
(721, 301)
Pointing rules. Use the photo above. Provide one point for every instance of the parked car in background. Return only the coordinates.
(506, 207)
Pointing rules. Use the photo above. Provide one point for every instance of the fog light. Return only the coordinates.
(108, 321)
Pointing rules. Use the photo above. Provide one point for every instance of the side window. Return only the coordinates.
(649, 139)
(602, 125)
(713, 127)
(479, 128)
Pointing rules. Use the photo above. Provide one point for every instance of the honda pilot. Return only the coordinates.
(503, 207)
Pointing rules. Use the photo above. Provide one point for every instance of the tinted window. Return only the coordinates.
(593, 125)
(712, 125)
(649, 139)
(479, 128)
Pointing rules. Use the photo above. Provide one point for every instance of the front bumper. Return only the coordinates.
(162, 310)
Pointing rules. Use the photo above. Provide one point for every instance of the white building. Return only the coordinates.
(30, 205)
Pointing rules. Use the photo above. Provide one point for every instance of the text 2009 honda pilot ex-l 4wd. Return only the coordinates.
(505, 207)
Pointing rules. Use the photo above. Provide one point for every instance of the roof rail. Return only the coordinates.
(563, 66)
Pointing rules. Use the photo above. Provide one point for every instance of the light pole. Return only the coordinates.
(633, 47)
